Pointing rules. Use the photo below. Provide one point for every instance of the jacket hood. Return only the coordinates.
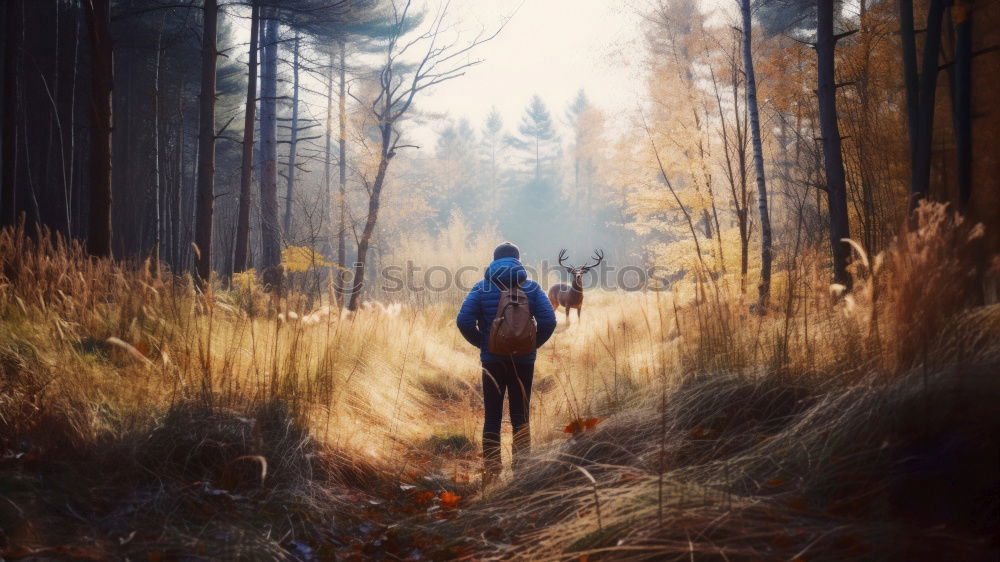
(506, 272)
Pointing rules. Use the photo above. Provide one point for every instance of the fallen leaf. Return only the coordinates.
(580, 425)
(775, 482)
(449, 500)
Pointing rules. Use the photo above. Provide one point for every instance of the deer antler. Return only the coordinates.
(598, 256)
(562, 258)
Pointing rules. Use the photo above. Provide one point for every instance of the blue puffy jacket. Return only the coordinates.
(480, 307)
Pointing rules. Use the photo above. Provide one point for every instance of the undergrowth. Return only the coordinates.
(143, 417)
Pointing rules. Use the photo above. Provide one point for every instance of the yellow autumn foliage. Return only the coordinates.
(297, 259)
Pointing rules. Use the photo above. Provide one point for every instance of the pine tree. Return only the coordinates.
(538, 142)
(534, 207)
(492, 146)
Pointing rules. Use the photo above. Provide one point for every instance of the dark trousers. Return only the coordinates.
(506, 377)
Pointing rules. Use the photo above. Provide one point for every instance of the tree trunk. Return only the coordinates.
(327, 160)
(826, 43)
(870, 230)
(53, 126)
(240, 262)
(910, 79)
(293, 143)
(70, 132)
(206, 144)
(191, 199)
(12, 44)
(373, 208)
(962, 93)
(102, 56)
(764, 289)
(742, 199)
(921, 164)
(270, 227)
(155, 254)
(342, 162)
(175, 234)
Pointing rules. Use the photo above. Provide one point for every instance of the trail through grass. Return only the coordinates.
(143, 418)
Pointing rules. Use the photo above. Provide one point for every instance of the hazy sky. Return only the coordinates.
(550, 47)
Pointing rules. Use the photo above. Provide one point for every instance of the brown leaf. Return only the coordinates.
(580, 425)
(449, 500)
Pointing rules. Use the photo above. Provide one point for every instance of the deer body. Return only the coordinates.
(567, 296)
(571, 296)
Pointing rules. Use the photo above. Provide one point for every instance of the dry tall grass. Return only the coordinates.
(823, 429)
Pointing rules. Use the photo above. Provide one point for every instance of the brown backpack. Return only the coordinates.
(514, 329)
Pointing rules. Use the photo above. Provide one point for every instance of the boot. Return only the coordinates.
(492, 464)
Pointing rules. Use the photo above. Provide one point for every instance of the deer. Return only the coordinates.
(571, 296)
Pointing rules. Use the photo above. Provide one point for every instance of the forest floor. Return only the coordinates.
(142, 420)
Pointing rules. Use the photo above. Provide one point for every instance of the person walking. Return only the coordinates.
(494, 318)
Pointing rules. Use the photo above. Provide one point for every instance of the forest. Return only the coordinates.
(245, 246)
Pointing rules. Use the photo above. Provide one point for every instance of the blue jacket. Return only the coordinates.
(480, 307)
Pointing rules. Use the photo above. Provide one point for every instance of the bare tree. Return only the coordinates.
(246, 173)
(342, 161)
(293, 143)
(206, 143)
(99, 21)
(836, 190)
(328, 148)
(398, 84)
(270, 227)
(157, 184)
(758, 159)
(735, 153)
(920, 93)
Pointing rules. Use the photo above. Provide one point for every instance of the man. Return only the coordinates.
(504, 374)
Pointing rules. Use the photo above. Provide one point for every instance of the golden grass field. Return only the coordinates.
(142, 418)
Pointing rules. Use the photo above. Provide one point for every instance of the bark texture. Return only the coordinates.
(270, 227)
(764, 289)
(241, 254)
(826, 44)
(206, 143)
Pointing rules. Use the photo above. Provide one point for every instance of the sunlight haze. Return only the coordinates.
(552, 48)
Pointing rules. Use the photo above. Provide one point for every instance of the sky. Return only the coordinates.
(552, 48)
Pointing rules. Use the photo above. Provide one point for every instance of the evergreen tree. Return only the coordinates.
(538, 142)
(459, 185)
(535, 203)
(492, 152)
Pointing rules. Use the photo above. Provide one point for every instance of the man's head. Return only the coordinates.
(506, 250)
